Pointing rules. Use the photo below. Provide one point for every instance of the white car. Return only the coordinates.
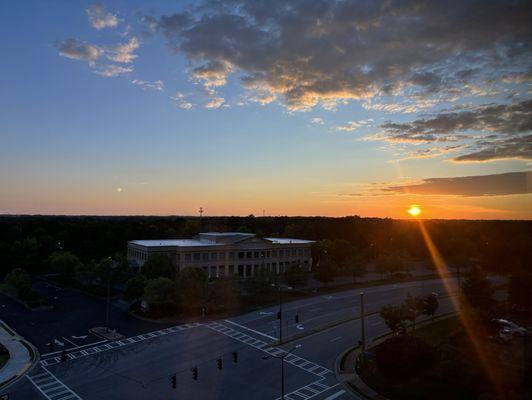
(510, 327)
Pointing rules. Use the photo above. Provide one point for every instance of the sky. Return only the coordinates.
(277, 108)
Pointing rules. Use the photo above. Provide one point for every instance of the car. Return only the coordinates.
(509, 327)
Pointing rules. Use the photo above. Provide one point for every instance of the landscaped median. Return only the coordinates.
(346, 364)
(22, 356)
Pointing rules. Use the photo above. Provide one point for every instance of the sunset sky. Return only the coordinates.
(291, 107)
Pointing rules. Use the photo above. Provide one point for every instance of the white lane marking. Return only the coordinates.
(300, 327)
(74, 348)
(59, 343)
(79, 337)
(115, 345)
(266, 313)
(48, 391)
(334, 396)
(335, 339)
(69, 341)
(251, 330)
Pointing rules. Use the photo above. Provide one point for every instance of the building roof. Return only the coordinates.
(173, 243)
(213, 239)
(289, 241)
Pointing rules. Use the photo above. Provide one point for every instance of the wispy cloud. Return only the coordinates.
(155, 85)
(123, 52)
(78, 50)
(181, 101)
(111, 70)
(100, 18)
(353, 125)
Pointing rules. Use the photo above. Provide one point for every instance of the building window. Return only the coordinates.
(232, 255)
(249, 254)
(213, 272)
(205, 256)
(197, 256)
(231, 270)
(256, 254)
(240, 254)
(241, 271)
(187, 257)
(221, 256)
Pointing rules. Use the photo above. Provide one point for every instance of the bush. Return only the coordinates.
(405, 356)
(17, 279)
(28, 294)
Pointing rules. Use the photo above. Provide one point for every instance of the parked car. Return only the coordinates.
(509, 327)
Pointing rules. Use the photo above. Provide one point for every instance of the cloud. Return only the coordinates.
(100, 18)
(329, 52)
(215, 102)
(481, 185)
(78, 50)
(111, 70)
(213, 73)
(502, 118)
(499, 149)
(155, 85)
(491, 131)
(352, 125)
(180, 100)
(123, 53)
(317, 121)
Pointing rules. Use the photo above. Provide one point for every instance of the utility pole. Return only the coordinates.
(201, 212)
(362, 327)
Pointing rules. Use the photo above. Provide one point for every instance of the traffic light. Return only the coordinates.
(219, 363)
(297, 318)
(235, 357)
(63, 356)
(278, 314)
(174, 381)
(195, 373)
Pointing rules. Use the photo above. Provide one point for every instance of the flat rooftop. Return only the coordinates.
(209, 239)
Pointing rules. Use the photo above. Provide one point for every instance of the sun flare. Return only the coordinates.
(414, 210)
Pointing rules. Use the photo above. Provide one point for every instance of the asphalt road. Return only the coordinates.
(141, 366)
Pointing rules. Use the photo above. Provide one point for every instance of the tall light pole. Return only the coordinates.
(362, 327)
(282, 357)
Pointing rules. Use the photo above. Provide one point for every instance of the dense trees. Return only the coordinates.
(158, 265)
(477, 289)
(27, 241)
(397, 317)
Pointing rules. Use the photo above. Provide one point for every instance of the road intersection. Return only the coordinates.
(141, 366)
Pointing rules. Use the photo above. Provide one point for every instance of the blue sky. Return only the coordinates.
(89, 127)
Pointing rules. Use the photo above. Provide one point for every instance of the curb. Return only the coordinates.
(34, 358)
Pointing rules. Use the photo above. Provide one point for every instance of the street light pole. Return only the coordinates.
(280, 314)
(108, 298)
(282, 377)
(362, 327)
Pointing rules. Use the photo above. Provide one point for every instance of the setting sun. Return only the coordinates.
(414, 210)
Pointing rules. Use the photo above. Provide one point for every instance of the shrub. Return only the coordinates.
(28, 294)
(405, 356)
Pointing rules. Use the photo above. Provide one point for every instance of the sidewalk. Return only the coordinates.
(22, 355)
